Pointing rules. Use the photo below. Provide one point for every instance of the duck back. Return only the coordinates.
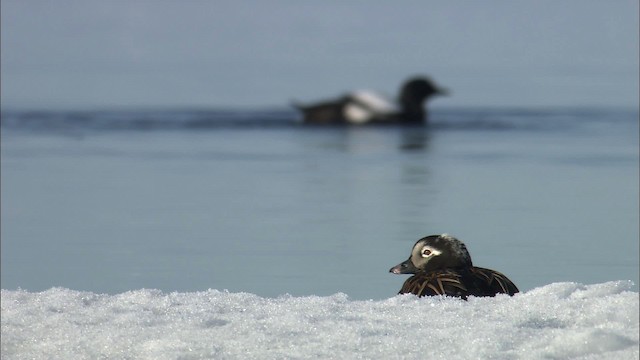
(472, 281)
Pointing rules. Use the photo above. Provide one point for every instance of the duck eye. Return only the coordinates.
(426, 252)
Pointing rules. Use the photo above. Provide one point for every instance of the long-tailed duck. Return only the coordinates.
(361, 107)
(441, 265)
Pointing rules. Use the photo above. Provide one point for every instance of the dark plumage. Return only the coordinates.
(442, 265)
(366, 107)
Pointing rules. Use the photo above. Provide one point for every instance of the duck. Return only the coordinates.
(441, 265)
(367, 107)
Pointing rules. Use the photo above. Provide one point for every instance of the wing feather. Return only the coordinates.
(459, 282)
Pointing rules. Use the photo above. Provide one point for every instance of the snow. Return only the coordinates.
(556, 321)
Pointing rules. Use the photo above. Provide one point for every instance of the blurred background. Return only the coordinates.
(151, 144)
(97, 54)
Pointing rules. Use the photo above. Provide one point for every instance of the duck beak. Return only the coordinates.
(405, 267)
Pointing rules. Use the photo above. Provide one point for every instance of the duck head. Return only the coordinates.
(435, 252)
(413, 95)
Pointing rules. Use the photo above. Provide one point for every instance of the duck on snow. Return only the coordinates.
(441, 265)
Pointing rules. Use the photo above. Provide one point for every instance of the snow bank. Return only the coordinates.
(562, 320)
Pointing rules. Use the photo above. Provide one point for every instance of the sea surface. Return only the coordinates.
(252, 201)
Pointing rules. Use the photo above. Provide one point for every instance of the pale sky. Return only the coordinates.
(112, 54)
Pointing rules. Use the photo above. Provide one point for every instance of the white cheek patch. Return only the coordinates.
(428, 251)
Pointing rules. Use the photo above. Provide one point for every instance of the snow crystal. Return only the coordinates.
(560, 320)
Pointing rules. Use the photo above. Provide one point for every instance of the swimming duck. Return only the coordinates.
(361, 107)
(441, 265)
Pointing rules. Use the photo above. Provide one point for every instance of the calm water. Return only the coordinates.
(254, 202)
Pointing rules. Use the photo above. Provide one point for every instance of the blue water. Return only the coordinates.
(253, 201)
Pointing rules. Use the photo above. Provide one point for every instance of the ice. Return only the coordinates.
(560, 320)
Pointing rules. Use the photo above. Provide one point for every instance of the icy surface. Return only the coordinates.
(557, 321)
